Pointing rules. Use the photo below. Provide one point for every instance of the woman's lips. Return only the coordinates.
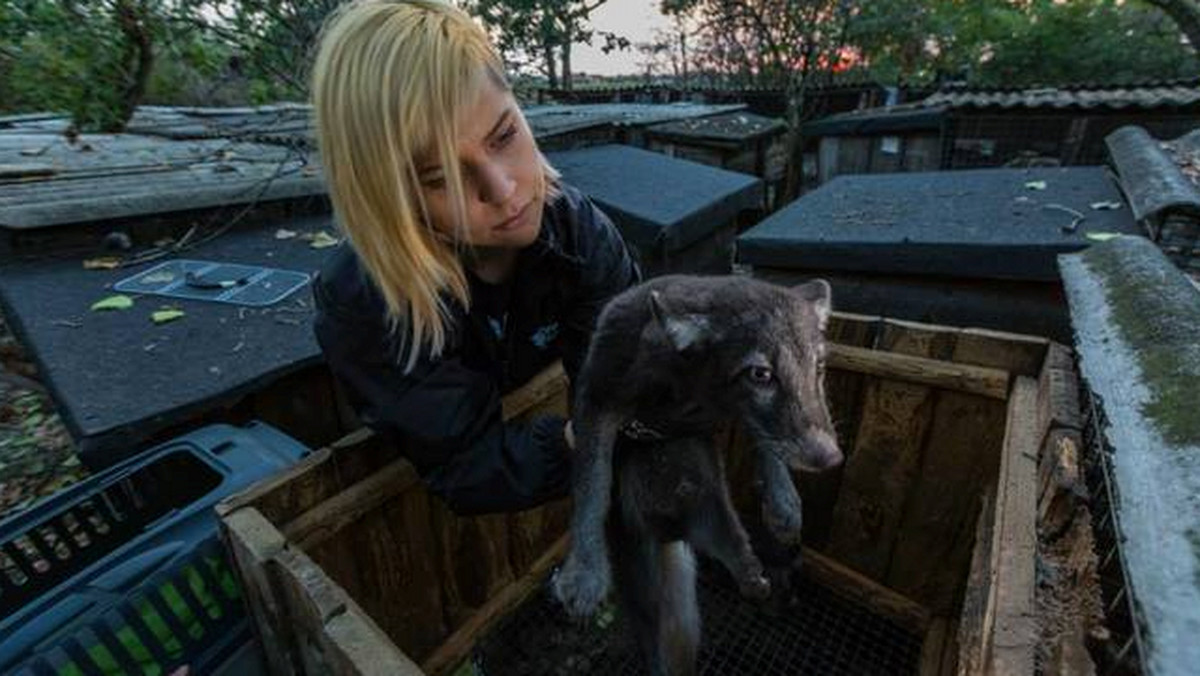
(515, 221)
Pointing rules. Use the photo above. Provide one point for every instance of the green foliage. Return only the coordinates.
(538, 34)
(1009, 43)
(1089, 40)
(89, 59)
(273, 40)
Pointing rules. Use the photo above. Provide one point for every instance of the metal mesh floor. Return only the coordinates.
(823, 633)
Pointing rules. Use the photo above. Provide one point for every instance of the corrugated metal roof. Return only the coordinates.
(175, 158)
(733, 127)
(1155, 176)
(1141, 96)
(926, 113)
(906, 117)
(552, 120)
(47, 179)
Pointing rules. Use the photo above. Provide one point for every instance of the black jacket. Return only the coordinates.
(445, 413)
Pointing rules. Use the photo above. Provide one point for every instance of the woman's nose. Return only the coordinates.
(496, 183)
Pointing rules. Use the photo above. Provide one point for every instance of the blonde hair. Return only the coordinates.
(388, 82)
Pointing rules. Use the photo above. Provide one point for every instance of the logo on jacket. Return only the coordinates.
(544, 335)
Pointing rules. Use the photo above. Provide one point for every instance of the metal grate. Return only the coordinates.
(822, 634)
(51, 549)
(185, 614)
(1123, 655)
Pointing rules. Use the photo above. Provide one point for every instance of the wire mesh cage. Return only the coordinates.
(821, 632)
(1123, 654)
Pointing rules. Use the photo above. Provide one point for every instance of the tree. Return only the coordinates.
(1086, 41)
(782, 43)
(1186, 14)
(542, 32)
(272, 38)
(91, 59)
(1009, 43)
(666, 53)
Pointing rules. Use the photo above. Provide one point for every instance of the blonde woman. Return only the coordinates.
(470, 266)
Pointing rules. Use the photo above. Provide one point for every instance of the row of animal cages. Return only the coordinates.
(930, 140)
(919, 552)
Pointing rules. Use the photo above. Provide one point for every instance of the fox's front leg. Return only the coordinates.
(781, 509)
(584, 579)
(714, 529)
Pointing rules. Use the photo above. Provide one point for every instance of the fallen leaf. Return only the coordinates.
(117, 302)
(323, 240)
(1102, 236)
(167, 315)
(102, 263)
(71, 461)
(284, 233)
(1036, 185)
(1106, 206)
(34, 152)
(159, 277)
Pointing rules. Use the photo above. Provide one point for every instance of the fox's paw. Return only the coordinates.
(581, 587)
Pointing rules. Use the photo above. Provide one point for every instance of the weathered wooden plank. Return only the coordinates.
(474, 560)
(843, 323)
(1070, 607)
(315, 478)
(1015, 625)
(971, 636)
(278, 481)
(252, 541)
(899, 336)
(533, 531)
(347, 506)
(397, 552)
(885, 461)
(844, 397)
(1016, 353)
(937, 532)
(542, 391)
(338, 637)
(879, 599)
(344, 570)
(950, 651)
(933, 646)
(933, 372)
(1058, 392)
(459, 644)
(303, 404)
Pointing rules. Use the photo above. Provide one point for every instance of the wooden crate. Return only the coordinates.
(351, 567)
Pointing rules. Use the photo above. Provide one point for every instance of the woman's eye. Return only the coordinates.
(435, 183)
(759, 375)
(506, 137)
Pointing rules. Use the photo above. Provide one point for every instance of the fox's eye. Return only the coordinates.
(759, 375)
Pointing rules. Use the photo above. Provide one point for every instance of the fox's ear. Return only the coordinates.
(820, 295)
(685, 331)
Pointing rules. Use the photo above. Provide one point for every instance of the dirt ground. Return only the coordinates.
(37, 456)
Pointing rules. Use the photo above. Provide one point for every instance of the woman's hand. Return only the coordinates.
(569, 435)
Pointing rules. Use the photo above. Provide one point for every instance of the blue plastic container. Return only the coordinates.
(123, 573)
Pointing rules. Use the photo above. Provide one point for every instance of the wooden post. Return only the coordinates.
(1013, 625)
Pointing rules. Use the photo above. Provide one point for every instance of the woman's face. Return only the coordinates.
(501, 175)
